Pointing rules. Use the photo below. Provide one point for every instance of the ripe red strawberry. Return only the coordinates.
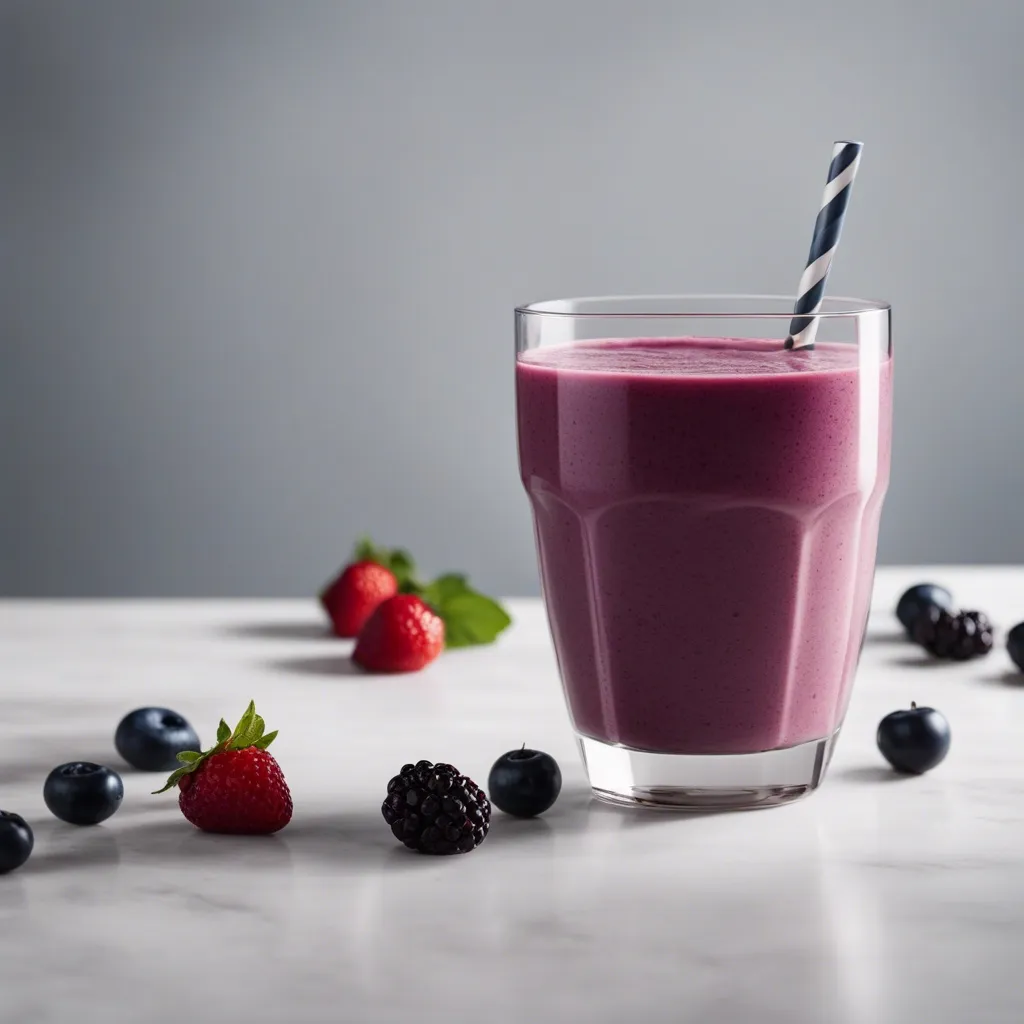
(403, 635)
(235, 786)
(355, 595)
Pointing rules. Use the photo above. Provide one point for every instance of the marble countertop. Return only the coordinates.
(877, 900)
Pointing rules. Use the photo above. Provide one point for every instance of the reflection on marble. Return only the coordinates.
(878, 900)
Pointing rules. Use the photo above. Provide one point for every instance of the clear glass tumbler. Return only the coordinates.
(706, 507)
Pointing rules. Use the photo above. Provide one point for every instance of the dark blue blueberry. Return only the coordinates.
(151, 739)
(914, 741)
(83, 793)
(16, 841)
(919, 599)
(524, 782)
(1015, 645)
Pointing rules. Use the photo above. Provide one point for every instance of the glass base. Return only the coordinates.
(704, 782)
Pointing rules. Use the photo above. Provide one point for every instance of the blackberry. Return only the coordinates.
(954, 635)
(433, 809)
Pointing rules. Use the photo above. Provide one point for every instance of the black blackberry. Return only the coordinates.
(957, 636)
(433, 809)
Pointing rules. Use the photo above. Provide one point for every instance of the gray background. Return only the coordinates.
(259, 259)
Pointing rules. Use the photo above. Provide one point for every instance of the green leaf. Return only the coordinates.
(443, 589)
(223, 731)
(365, 550)
(471, 618)
(404, 568)
(188, 756)
(247, 716)
(249, 730)
(241, 737)
(264, 741)
(177, 775)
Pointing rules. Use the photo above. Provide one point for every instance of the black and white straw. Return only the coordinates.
(827, 228)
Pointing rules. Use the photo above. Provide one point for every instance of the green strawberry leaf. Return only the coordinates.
(443, 589)
(398, 560)
(241, 735)
(176, 775)
(404, 569)
(366, 551)
(264, 741)
(248, 733)
(470, 618)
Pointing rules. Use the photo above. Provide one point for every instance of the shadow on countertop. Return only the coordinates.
(46, 754)
(279, 631)
(870, 774)
(329, 665)
(60, 847)
(154, 835)
(173, 842)
(351, 840)
(921, 660)
(1011, 677)
(890, 638)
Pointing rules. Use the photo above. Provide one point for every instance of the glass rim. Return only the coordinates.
(605, 307)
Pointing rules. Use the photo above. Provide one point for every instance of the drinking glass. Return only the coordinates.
(706, 509)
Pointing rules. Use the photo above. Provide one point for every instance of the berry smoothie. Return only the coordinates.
(706, 513)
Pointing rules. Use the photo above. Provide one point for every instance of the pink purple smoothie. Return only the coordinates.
(706, 515)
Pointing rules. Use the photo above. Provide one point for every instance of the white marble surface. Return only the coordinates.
(876, 901)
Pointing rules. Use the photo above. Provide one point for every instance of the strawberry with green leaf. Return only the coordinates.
(406, 623)
(236, 786)
(410, 630)
(372, 576)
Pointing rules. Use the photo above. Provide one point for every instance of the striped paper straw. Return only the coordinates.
(827, 228)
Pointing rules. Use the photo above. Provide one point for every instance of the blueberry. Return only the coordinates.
(83, 793)
(151, 739)
(524, 782)
(1015, 645)
(914, 741)
(16, 841)
(920, 598)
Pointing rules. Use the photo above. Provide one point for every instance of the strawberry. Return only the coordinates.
(403, 635)
(235, 786)
(354, 596)
(408, 626)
